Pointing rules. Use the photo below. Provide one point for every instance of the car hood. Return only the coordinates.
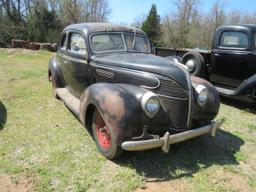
(145, 62)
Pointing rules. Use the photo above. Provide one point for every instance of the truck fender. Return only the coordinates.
(119, 106)
(247, 86)
(54, 72)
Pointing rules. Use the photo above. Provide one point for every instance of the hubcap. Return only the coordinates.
(103, 133)
(191, 65)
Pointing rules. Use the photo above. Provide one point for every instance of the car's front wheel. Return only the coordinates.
(104, 137)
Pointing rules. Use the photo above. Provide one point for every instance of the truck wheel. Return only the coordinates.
(104, 137)
(195, 63)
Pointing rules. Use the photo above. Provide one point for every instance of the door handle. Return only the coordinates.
(216, 54)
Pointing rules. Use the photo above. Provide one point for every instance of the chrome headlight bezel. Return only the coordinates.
(150, 104)
(202, 94)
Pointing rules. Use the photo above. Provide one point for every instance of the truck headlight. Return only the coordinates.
(150, 104)
(202, 95)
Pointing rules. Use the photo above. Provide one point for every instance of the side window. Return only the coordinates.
(77, 44)
(63, 44)
(234, 39)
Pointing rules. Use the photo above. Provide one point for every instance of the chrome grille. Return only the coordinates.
(171, 88)
(177, 111)
(176, 100)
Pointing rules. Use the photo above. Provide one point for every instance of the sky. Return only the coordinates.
(126, 11)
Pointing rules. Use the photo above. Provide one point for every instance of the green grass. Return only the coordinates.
(39, 137)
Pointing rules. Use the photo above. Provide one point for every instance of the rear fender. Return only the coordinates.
(55, 72)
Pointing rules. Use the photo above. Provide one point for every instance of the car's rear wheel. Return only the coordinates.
(104, 137)
(54, 87)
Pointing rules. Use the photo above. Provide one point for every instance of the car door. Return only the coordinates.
(229, 59)
(78, 71)
(61, 57)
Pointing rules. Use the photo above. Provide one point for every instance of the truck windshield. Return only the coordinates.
(115, 42)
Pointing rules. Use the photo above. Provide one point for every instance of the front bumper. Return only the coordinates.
(165, 141)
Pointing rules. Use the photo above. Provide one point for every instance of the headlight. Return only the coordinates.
(150, 104)
(202, 97)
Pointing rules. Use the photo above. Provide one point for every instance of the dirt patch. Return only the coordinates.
(15, 183)
(229, 181)
(166, 186)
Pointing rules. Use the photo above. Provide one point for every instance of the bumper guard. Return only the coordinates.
(165, 141)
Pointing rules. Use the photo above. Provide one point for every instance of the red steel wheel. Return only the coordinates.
(103, 133)
(104, 137)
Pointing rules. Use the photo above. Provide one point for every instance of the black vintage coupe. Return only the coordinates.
(127, 98)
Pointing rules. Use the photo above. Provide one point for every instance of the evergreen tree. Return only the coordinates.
(151, 26)
(43, 25)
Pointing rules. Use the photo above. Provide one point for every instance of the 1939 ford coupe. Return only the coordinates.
(127, 98)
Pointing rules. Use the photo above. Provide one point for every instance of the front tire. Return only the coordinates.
(104, 137)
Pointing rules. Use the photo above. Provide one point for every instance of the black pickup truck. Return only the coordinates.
(230, 65)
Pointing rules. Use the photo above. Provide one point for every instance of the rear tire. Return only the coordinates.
(54, 87)
(104, 137)
(195, 63)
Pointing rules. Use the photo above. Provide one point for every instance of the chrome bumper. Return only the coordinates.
(165, 141)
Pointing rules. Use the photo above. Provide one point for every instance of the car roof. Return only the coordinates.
(88, 28)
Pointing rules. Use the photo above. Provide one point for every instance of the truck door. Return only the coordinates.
(229, 59)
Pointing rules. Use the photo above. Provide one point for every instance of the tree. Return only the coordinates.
(151, 26)
(177, 25)
(42, 20)
(43, 25)
(215, 18)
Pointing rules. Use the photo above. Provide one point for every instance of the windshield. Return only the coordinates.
(115, 42)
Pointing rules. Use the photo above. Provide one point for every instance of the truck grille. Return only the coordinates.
(176, 100)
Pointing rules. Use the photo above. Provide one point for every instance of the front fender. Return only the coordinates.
(210, 110)
(246, 87)
(119, 105)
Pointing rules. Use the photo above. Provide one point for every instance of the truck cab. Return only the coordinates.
(233, 59)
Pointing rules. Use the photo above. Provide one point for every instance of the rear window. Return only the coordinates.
(234, 39)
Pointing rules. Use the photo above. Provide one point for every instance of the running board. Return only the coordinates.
(225, 91)
(70, 100)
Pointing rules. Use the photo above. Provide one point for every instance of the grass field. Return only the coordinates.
(43, 147)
